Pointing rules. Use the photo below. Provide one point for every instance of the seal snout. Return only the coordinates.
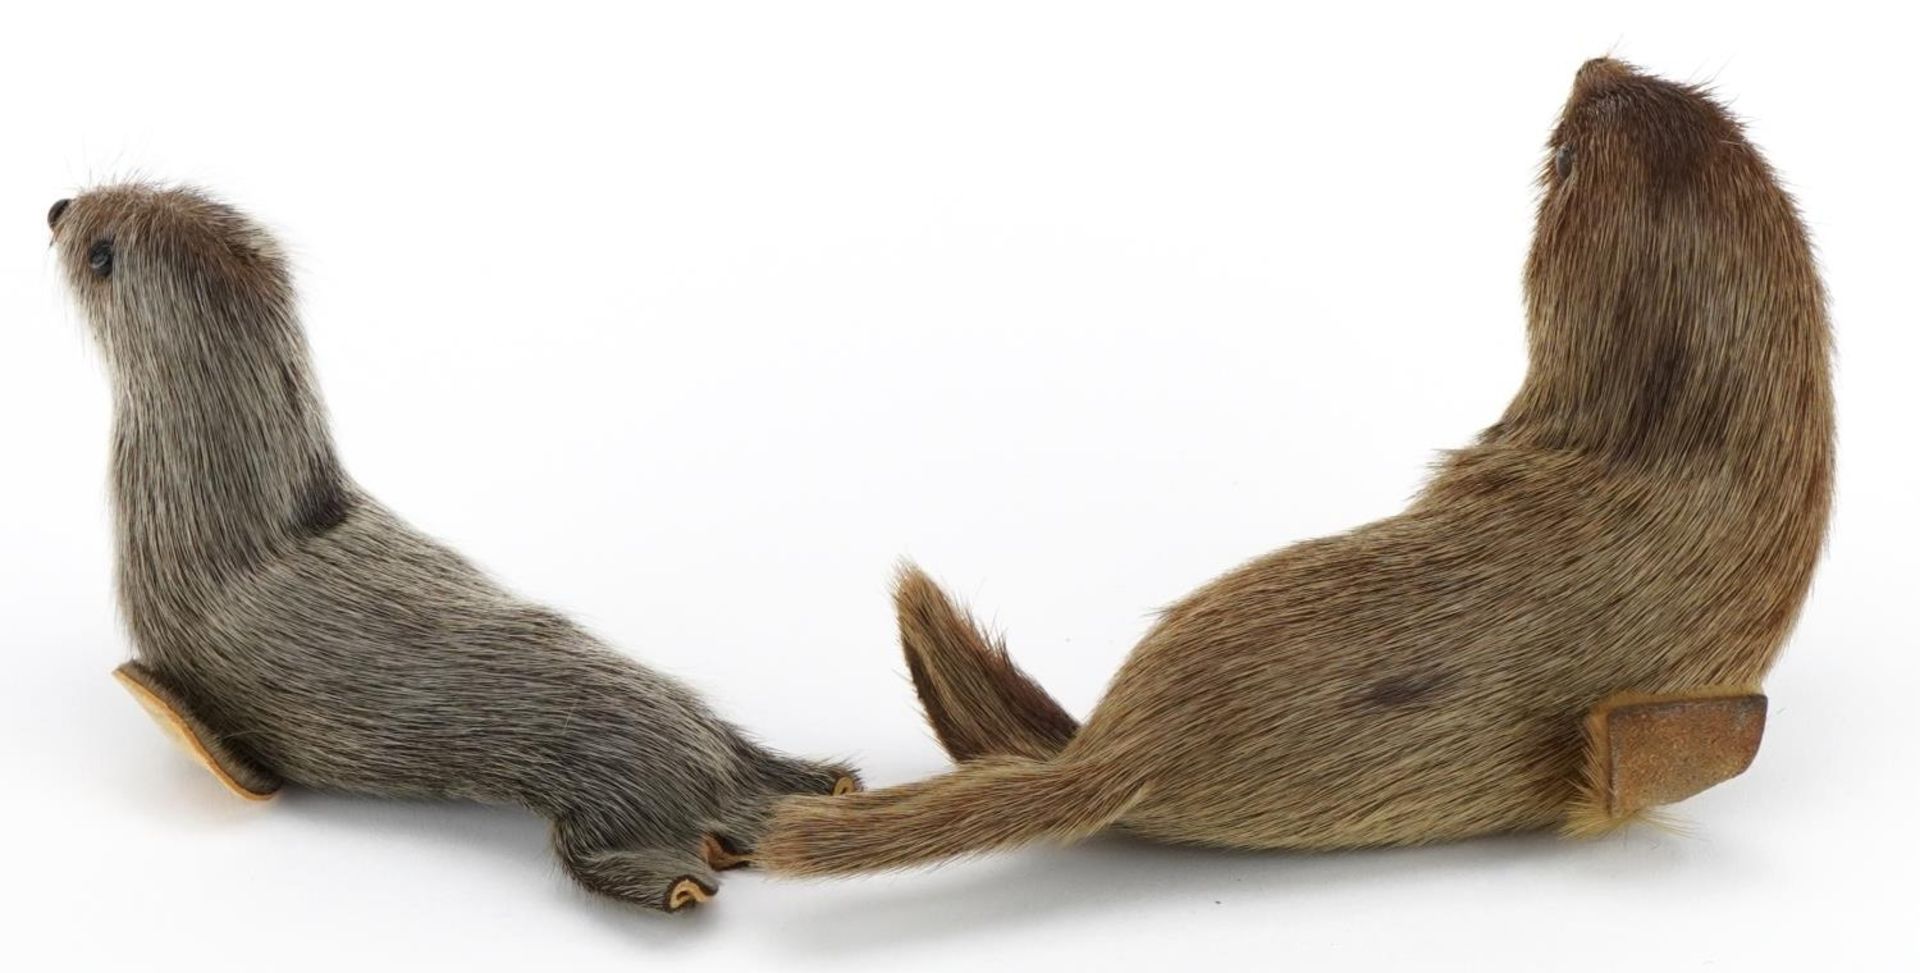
(53, 215)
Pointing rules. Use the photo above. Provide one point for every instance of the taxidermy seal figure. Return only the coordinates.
(1569, 624)
(290, 628)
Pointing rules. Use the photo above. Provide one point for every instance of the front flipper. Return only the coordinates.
(729, 841)
(169, 707)
(1644, 751)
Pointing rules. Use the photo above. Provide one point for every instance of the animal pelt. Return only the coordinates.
(1644, 519)
(312, 636)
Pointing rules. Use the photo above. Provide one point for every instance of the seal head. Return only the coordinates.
(168, 275)
(1668, 271)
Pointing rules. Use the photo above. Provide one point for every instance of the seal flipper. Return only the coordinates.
(169, 707)
(729, 841)
(1644, 751)
(663, 878)
(978, 702)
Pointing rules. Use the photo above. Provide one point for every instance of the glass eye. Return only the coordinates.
(1563, 161)
(100, 257)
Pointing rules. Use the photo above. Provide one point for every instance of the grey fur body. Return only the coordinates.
(323, 637)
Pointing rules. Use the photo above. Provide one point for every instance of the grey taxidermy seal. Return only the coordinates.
(292, 628)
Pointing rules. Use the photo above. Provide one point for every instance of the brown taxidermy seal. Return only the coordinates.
(289, 627)
(1632, 539)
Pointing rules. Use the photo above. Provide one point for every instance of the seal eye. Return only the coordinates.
(1563, 161)
(100, 257)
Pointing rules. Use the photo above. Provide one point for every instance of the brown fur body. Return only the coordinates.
(1644, 518)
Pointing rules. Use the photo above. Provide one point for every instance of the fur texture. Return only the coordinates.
(977, 701)
(1644, 518)
(316, 634)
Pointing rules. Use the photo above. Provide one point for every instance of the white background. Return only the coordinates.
(691, 323)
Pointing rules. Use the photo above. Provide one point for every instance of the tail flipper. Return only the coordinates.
(987, 804)
(978, 702)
